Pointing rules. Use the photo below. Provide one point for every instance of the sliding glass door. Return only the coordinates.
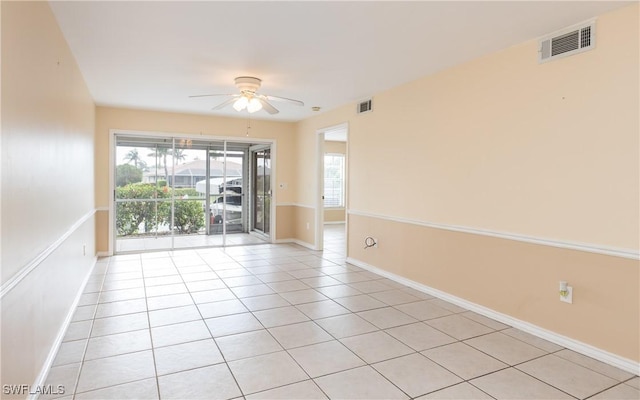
(227, 189)
(261, 185)
(180, 193)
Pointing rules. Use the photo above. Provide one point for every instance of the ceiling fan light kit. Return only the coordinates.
(249, 99)
(254, 105)
(248, 84)
(241, 103)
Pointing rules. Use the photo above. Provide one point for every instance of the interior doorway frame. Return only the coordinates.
(206, 137)
(319, 203)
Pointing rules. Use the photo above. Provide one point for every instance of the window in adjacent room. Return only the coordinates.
(334, 171)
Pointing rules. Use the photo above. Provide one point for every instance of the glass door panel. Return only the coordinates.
(267, 191)
(188, 168)
(261, 179)
(227, 190)
(140, 188)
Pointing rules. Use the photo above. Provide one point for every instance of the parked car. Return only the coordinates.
(233, 185)
(231, 213)
(232, 210)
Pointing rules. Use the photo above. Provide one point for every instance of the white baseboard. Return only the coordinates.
(296, 241)
(334, 222)
(102, 254)
(42, 376)
(564, 341)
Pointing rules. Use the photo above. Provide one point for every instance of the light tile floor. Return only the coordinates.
(284, 322)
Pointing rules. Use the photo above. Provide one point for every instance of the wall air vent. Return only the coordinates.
(573, 40)
(364, 106)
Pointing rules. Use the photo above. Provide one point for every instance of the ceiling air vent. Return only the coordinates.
(569, 41)
(364, 106)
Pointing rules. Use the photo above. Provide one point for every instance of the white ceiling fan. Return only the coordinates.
(249, 98)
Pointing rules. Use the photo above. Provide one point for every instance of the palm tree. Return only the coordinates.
(142, 164)
(134, 156)
(164, 152)
(178, 155)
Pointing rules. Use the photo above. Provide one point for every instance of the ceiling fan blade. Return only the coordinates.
(267, 106)
(211, 95)
(277, 98)
(225, 103)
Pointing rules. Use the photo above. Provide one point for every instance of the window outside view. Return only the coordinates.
(149, 177)
(334, 180)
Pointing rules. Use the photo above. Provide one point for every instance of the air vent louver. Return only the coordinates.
(565, 43)
(364, 106)
(585, 37)
(573, 40)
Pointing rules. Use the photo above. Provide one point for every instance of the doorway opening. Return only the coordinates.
(331, 218)
(177, 193)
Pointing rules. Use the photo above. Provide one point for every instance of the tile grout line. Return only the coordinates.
(84, 353)
(153, 352)
(334, 339)
(318, 268)
(285, 349)
(553, 386)
(271, 335)
(224, 360)
(214, 339)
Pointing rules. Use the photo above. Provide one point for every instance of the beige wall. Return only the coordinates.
(507, 144)
(334, 214)
(47, 174)
(504, 144)
(47, 186)
(108, 118)
(334, 147)
(292, 224)
(285, 228)
(304, 225)
(514, 278)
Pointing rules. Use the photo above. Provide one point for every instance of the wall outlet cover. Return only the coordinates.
(569, 297)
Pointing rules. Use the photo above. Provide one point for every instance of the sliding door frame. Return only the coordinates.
(180, 136)
(253, 176)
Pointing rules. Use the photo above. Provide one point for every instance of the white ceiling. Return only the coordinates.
(153, 55)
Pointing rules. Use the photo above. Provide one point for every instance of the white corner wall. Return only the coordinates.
(48, 217)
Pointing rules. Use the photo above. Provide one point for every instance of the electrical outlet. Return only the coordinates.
(307, 226)
(84, 249)
(569, 297)
(370, 241)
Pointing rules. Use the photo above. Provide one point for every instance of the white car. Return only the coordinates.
(229, 213)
